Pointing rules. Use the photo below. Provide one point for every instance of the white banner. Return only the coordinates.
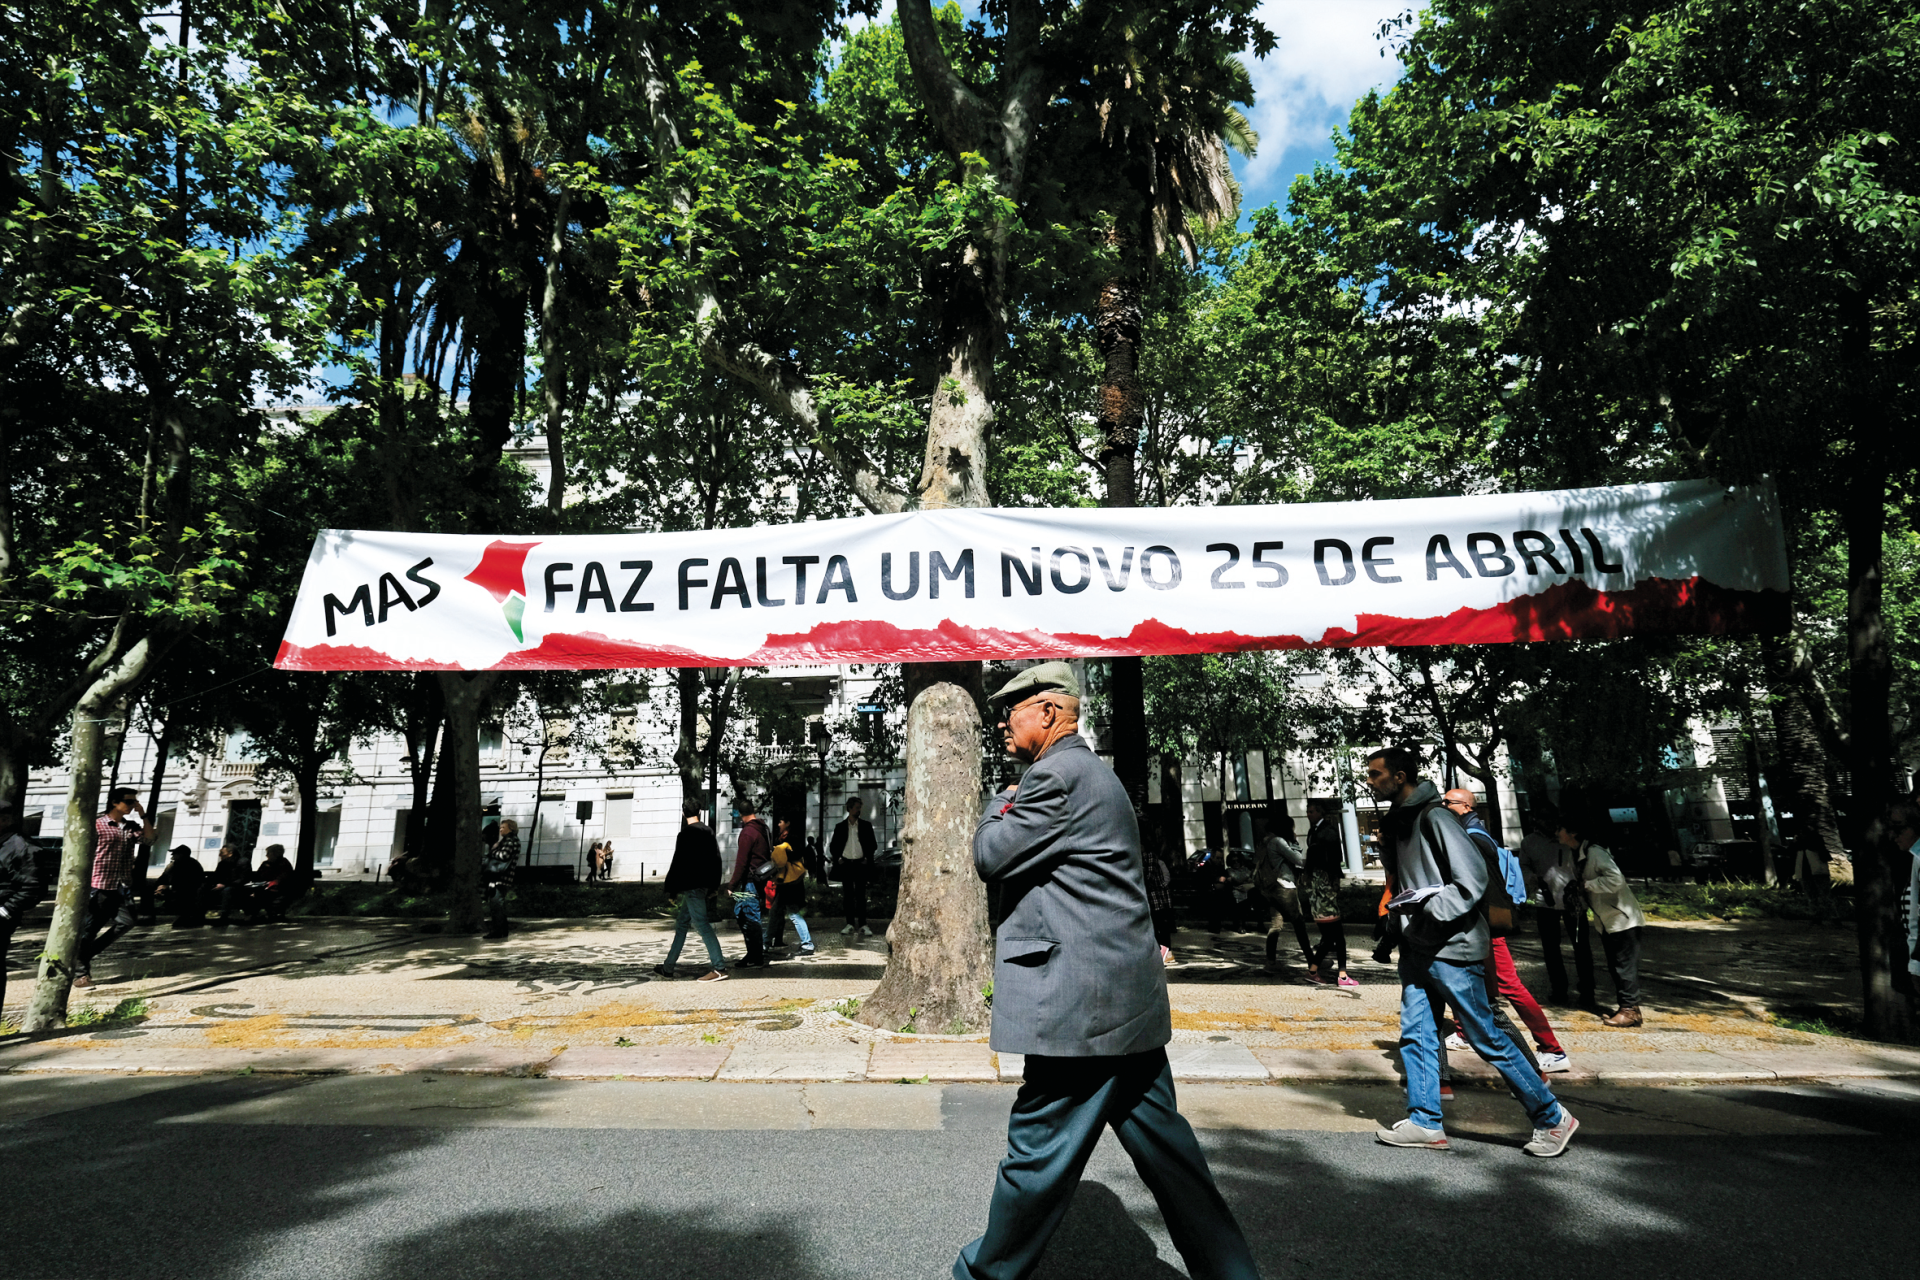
(1013, 582)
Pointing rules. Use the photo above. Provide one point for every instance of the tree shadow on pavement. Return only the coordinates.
(1338, 1204)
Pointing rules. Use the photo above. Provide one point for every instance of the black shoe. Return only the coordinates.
(495, 934)
(806, 951)
(663, 971)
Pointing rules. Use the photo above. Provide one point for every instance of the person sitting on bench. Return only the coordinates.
(179, 888)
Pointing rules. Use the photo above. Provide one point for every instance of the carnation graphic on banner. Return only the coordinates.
(1018, 583)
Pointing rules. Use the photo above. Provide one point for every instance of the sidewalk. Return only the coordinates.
(579, 1000)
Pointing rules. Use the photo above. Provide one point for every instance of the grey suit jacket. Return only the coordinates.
(1076, 972)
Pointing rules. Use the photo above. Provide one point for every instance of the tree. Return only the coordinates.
(1689, 230)
(142, 180)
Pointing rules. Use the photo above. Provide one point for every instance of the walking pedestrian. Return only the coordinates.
(789, 889)
(1443, 941)
(1276, 877)
(1079, 989)
(852, 847)
(1326, 862)
(501, 859)
(116, 838)
(691, 876)
(593, 863)
(1505, 882)
(1616, 913)
(19, 884)
(1160, 899)
(1216, 887)
(1560, 911)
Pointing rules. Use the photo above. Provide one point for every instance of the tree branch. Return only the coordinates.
(784, 389)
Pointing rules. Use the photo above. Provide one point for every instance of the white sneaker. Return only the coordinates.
(1548, 1143)
(1406, 1133)
(1554, 1063)
(865, 932)
(1458, 1043)
(844, 932)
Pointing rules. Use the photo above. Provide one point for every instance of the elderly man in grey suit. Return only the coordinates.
(1079, 987)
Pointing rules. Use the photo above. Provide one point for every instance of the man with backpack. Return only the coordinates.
(1506, 889)
(752, 866)
(1439, 878)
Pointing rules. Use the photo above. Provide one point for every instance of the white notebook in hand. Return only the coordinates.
(1411, 898)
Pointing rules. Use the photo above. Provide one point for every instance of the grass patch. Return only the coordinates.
(92, 1015)
(1817, 1019)
(1663, 900)
(847, 1008)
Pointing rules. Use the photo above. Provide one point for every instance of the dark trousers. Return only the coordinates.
(1163, 925)
(1299, 935)
(1333, 946)
(497, 908)
(1574, 921)
(109, 915)
(1623, 962)
(1057, 1119)
(853, 890)
(6, 936)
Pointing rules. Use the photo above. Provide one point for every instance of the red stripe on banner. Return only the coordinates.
(1567, 611)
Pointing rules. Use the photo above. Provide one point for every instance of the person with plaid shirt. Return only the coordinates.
(116, 842)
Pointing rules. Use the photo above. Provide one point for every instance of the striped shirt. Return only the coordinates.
(113, 848)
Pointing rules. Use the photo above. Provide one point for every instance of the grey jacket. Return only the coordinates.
(1426, 845)
(1076, 972)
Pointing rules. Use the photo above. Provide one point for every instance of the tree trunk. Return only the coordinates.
(306, 780)
(686, 751)
(422, 738)
(1117, 332)
(942, 947)
(104, 699)
(1803, 755)
(1870, 687)
(955, 470)
(466, 694)
(437, 839)
(1117, 329)
(553, 378)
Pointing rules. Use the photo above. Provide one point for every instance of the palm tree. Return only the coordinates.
(1164, 140)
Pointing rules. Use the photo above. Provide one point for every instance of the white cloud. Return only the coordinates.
(1328, 56)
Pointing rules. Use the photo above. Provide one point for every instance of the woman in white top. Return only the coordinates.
(1616, 913)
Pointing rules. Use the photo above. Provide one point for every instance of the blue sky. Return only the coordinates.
(1328, 56)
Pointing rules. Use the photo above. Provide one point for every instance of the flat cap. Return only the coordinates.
(1046, 678)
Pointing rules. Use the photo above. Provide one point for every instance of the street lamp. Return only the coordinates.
(716, 678)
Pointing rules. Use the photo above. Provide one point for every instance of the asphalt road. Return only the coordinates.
(417, 1180)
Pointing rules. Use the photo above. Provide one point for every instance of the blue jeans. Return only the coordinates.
(691, 911)
(1464, 986)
